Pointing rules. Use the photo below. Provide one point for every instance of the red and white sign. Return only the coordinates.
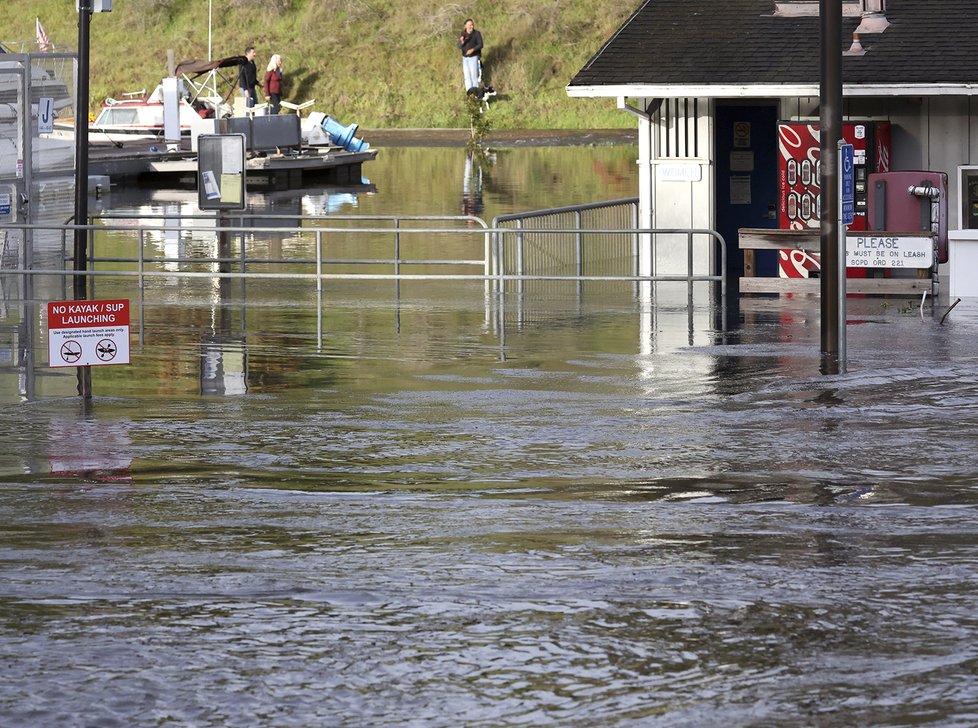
(88, 333)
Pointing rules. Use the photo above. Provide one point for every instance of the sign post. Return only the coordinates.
(830, 132)
(847, 213)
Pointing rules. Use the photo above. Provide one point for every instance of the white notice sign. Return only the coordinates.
(879, 250)
(679, 172)
(45, 115)
(88, 333)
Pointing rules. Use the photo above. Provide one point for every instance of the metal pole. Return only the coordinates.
(80, 262)
(830, 132)
(210, 13)
(578, 244)
(81, 148)
(319, 261)
(841, 277)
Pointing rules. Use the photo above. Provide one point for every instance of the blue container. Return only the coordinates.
(344, 135)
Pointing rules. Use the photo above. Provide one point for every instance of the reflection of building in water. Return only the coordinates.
(472, 186)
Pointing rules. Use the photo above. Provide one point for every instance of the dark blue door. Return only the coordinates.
(747, 180)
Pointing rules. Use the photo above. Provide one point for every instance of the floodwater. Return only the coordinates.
(433, 505)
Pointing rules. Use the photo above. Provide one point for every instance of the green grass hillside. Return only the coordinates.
(381, 63)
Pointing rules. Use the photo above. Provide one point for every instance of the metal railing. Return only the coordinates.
(571, 238)
(505, 254)
(244, 225)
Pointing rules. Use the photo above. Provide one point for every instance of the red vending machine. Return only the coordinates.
(799, 174)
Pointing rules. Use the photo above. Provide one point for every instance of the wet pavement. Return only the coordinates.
(610, 512)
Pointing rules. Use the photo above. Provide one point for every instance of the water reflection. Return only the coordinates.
(88, 446)
(472, 203)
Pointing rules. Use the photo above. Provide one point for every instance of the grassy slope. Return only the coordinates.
(381, 63)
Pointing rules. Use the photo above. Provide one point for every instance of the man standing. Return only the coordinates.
(248, 78)
(470, 43)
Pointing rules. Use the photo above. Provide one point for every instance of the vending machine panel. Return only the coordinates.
(799, 179)
(910, 201)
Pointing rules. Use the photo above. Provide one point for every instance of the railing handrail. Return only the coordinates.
(287, 229)
(286, 216)
(560, 210)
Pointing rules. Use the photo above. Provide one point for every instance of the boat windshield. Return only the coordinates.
(117, 116)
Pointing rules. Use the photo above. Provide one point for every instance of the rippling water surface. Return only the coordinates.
(438, 506)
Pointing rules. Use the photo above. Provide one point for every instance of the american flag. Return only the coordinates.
(42, 38)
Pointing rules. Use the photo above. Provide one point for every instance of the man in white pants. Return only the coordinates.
(470, 43)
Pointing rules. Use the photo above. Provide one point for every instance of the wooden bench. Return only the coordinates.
(754, 239)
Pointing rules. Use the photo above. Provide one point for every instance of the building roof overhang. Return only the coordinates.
(757, 49)
(767, 91)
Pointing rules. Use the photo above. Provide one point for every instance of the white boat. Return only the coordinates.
(137, 116)
(194, 89)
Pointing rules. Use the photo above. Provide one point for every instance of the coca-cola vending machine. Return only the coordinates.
(799, 175)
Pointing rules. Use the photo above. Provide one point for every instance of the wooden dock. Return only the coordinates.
(150, 164)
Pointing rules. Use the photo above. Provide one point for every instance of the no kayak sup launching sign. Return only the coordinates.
(88, 333)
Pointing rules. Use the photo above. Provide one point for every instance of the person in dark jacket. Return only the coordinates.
(273, 83)
(470, 43)
(248, 78)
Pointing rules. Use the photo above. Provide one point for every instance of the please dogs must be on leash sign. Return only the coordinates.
(88, 333)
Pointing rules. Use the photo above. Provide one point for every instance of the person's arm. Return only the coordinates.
(477, 44)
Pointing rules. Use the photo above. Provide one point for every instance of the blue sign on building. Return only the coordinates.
(848, 184)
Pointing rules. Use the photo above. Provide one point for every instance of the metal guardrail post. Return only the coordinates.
(397, 247)
(319, 261)
(64, 261)
(499, 238)
(486, 253)
(141, 237)
(244, 252)
(723, 270)
(578, 244)
(520, 257)
(635, 238)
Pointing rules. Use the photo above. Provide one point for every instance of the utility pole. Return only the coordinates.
(81, 147)
(80, 254)
(830, 133)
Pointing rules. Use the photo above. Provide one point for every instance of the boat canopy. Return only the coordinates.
(194, 69)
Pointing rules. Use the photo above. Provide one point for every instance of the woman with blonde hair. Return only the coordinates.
(273, 83)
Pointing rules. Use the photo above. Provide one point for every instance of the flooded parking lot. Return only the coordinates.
(599, 521)
(431, 504)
